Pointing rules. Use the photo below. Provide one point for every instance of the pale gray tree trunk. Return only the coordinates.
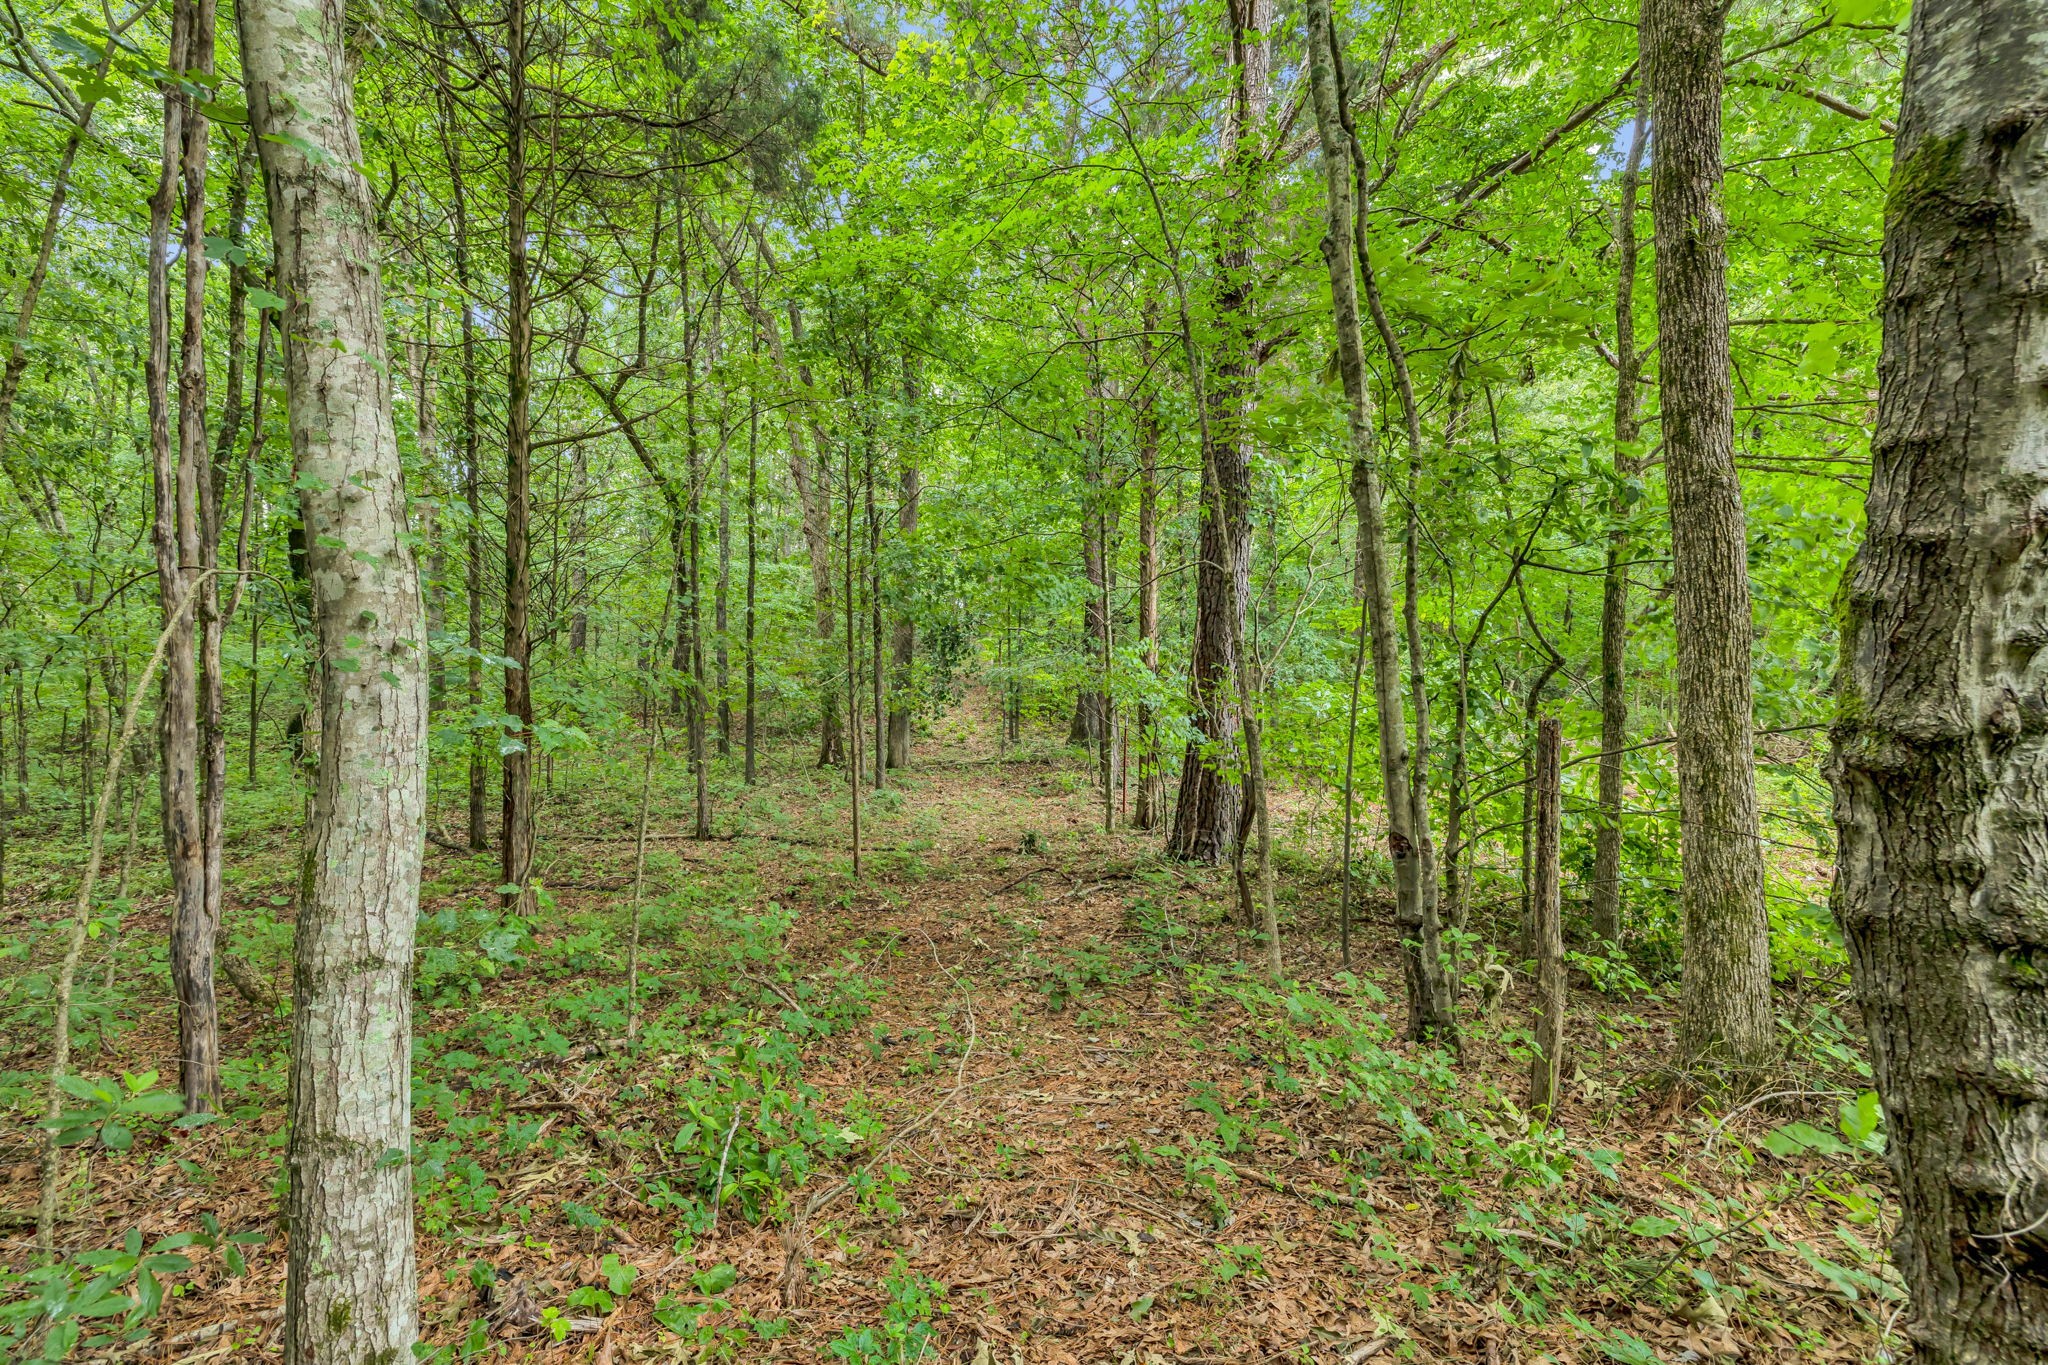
(1941, 789)
(350, 1292)
(1725, 1000)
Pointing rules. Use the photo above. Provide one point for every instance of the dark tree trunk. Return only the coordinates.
(516, 832)
(1725, 1004)
(183, 485)
(1205, 816)
(1940, 794)
(753, 565)
(478, 786)
(721, 620)
(903, 638)
(1628, 368)
(350, 1292)
(1148, 809)
(579, 576)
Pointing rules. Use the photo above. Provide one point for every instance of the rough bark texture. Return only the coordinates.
(350, 1293)
(515, 797)
(1940, 739)
(184, 543)
(1205, 817)
(1725, 1003)
(1428, 990)
(1605, 892)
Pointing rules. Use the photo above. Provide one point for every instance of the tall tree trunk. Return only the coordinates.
(903, 630)
(1088, 726)
(690, 638)
(813, 487)
(516, 832)
(1938, 773)
(721, 621)
(1429, 999)
(1725, 999)
(1205, 817)
(579, 575)
(1628, 370)
(350, 1291)
(753, 564)
(478, 786)
(877, 677)
(181, 479)
(1149, 806)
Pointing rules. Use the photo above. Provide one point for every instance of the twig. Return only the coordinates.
(1052, 1229)
(1308, 1194)
(718, 1185)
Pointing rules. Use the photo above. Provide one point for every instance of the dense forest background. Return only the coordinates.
(886, 485)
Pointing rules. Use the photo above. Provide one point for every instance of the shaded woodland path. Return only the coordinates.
(1059, 1096)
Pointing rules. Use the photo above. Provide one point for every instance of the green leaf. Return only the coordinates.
(716, 1279)
(226, 249)
(1653, 1225)
(264, 299)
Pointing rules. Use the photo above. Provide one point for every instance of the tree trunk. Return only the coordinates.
(903, 638)
(516, 832)
(903, 631)
(1428, 987)
(753, 564)
(1086, 728)
(350, 1292)
(813, 490)
(472, 497)
(1939, 790)
(181, 478)
(690, 634)
(1628, 368)
(1149, 807)
(1205, 816)
(579, 575)
(721, 620)
(1548, 1028)
(1725, 1000)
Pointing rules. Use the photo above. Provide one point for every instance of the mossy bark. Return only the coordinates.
(1941, 740)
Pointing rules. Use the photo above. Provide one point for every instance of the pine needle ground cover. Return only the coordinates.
(981, 1105)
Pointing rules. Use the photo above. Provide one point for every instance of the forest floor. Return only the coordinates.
(984, 1105)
